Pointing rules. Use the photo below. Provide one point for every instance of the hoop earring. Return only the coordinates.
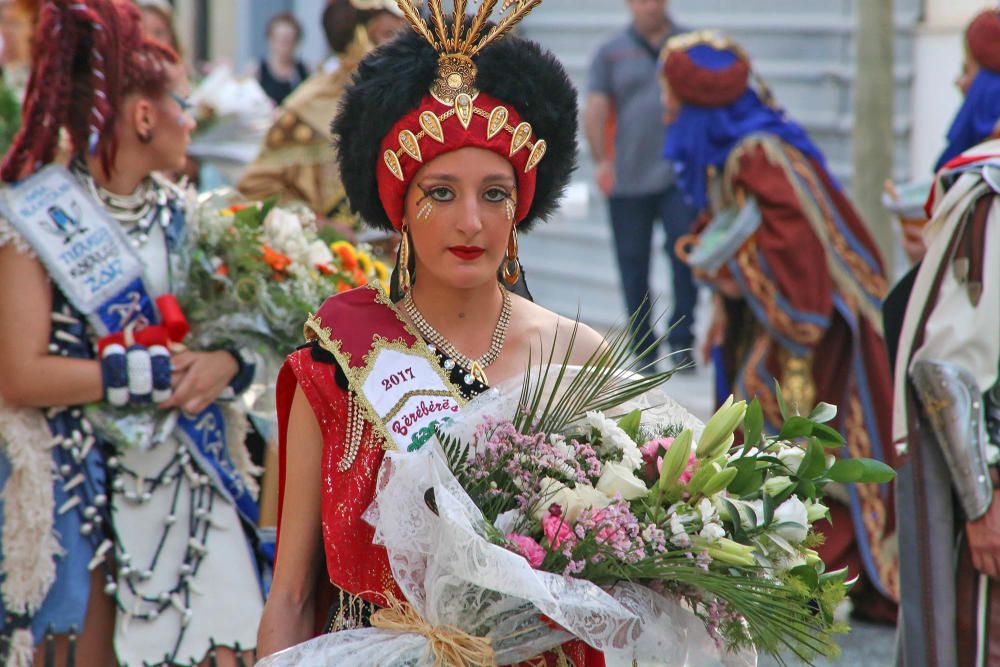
(511, 211)
(511, 264)
(405, 281)
(426, 211)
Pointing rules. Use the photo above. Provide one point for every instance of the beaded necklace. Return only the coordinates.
(476, 368)
(136, 212)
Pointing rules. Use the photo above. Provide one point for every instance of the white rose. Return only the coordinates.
(712, 532)
(793, 514)
(570, 501)
(792, 457)
(282, 226)
(319, 253)
(618, 478)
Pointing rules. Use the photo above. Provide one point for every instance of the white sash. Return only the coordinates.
(84, 250)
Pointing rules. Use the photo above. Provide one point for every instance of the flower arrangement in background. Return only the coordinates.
(259, 270)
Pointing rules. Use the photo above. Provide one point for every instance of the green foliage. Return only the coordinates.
(10, 117)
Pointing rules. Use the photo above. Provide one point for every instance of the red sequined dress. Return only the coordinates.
(358, 571)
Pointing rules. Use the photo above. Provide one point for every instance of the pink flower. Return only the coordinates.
(532, 551)
(557, 531)
(652, 448)
(688, 471)
(650, 453)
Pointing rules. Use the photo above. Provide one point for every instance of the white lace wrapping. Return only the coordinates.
(453, 576)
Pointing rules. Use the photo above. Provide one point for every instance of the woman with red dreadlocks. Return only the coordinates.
(124, 483)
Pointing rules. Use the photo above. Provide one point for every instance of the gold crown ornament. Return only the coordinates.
(454, 86)
(457, 44)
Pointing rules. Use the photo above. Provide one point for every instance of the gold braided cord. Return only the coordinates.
(505, 25)
(451, 647)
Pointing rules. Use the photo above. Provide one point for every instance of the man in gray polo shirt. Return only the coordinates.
(639, 183)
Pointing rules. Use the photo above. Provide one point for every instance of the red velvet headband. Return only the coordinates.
(435, 128)
(983, 38)
(704, 87)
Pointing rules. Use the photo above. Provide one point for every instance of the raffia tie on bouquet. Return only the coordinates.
(451, 647)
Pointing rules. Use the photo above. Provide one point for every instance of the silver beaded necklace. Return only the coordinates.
(476, 368)
(136, 212)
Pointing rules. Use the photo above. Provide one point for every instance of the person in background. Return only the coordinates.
(281, 72)
(798, 283)
(297, 161)
(158, 22)
(942, 321)
(639, 184)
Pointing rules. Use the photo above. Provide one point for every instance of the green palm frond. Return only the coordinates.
(607, 379)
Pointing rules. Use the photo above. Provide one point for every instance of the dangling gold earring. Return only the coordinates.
(404, 261)
(425, 211)
(511, 265)
(511, 211)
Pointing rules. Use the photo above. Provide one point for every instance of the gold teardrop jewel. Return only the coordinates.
(498, 120)
(431, 124)
(522, 135)
(392, 162)
(408, 142)
(463, 109)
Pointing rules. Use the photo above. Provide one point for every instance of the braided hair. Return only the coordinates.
(87, 56)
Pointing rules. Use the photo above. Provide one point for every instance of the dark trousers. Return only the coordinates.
(632, 219)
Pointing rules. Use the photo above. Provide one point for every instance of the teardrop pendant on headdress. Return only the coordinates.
(392, 162)
(408, 142)
(498, 120)
(431, 124)
(522, 135)
(463, 109)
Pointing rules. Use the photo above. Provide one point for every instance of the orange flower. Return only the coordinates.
(347, 254)
(222, 270)
(235, 208)
(360, 278)
(342, 286)
(274, 259)
(325, 269)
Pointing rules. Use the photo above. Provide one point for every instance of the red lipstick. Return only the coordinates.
(466, 252)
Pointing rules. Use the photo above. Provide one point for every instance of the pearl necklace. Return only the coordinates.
(476, 367)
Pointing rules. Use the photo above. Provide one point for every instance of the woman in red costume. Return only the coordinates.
(457, 140)
(798, 280)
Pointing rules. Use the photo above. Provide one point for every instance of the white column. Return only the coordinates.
(937, 60)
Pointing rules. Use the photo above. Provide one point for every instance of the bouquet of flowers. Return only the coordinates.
(259, 270)
(588, 504)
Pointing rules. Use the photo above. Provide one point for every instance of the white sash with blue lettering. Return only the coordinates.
(85, 251)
